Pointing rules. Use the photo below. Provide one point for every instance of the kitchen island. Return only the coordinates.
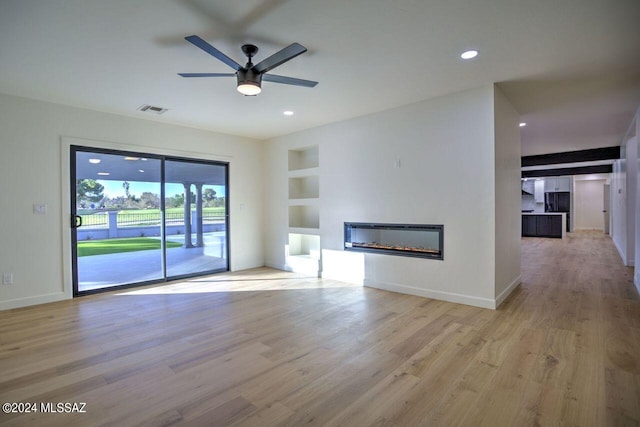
(544, 224)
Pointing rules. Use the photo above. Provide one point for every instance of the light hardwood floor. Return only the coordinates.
(266, 348)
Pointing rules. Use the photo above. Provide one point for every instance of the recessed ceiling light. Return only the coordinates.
(94, 161)
(132, 158)
(288, 113)
(141, 170)
(523, 124)
(103, 173)
(469, 54)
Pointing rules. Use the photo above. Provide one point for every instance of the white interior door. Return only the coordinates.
(588, 204)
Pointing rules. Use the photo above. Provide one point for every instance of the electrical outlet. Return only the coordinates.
(7, 278)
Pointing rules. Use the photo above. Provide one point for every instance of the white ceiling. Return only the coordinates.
(89, 165)
(570, 67)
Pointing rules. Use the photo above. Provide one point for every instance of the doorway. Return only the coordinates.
(140, 218)
(606, 208)
(589, 196)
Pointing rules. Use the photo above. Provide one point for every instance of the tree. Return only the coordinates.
(88, 191)
(126, 186)
(117, 202)
(149, 200)
(219, 202)
(209, 195)
(175, 201)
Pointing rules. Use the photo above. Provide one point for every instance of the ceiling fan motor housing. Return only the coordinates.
(249, 77)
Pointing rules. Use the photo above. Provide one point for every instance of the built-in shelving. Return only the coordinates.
(304, 216)
(303, 158)
(304, 187)
(304, 245)
(300, 173)
(303, 240)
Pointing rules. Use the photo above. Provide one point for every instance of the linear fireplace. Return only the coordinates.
(413, 240)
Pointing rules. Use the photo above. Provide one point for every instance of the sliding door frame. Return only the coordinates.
(73, 149)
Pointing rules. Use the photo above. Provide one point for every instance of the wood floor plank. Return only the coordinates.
(377, 402)
(272, 348)
(269, 415)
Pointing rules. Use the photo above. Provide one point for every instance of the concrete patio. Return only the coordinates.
(101, 271)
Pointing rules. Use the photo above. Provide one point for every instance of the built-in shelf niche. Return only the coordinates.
(304, 245)
(303, 158)
(305, 187)
(304, 216)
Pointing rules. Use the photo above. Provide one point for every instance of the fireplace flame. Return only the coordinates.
(376, 245)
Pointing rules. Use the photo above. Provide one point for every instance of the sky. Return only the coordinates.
(114, 188)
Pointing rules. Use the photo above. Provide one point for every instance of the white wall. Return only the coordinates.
(619, 206)
(631, 152)
(637, 248)
(32, 246)
(508, 192)
(589, 203)
(445, 151)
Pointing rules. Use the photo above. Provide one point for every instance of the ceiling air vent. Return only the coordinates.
(152, 109)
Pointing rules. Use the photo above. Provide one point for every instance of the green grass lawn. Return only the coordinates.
(111, 246)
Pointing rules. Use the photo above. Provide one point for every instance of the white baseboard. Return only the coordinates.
(28, 301)
(623, 254)
(504, 294)
(429, 293)
(274, 265)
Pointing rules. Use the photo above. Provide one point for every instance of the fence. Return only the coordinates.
(112, 224)
(137, 219)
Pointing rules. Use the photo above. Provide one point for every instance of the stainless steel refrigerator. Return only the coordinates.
(558, 202)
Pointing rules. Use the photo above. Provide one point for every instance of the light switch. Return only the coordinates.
(39, 208)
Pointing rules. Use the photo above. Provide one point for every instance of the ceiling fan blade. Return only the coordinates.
(207, 74)
(257, 13)
(280, 57)
(197, 41)
(288, 80)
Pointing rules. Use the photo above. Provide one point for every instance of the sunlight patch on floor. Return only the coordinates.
(240, 283)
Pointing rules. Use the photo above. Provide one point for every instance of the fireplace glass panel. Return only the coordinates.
(414, 240)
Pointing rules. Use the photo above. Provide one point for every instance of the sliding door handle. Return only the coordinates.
(76, 221)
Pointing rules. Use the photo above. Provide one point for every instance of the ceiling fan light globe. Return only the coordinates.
(249, 88)
(249, 82)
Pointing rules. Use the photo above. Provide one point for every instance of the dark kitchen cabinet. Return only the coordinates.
(529, 225)
(555, 225)
(542, 226)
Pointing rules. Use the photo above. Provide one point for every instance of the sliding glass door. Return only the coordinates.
(203, 236)
(140, 218)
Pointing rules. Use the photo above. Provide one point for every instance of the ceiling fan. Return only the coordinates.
(250, 76)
